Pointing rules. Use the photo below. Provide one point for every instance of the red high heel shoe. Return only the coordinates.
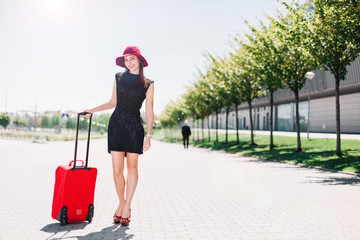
(117, 219)
(126, 221)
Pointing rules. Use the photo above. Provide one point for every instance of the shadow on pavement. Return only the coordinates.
(115, 231)
(335, 180)
(56, 227)
(327, 180)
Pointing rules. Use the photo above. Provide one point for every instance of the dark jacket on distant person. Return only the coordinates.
(186, 131)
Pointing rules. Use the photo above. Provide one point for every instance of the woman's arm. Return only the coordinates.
(108, 105)
(149, 113)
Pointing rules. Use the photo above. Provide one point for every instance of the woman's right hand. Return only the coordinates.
(89, 111)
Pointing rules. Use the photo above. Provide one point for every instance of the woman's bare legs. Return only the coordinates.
(119, 180)
(131, 181)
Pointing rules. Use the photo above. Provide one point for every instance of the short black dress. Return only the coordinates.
(125, 130)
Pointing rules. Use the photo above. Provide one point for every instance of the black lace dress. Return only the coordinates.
(125, 131)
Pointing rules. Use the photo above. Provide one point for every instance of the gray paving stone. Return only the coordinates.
(181, 194)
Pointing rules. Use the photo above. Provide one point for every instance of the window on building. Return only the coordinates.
(303, 116)
(284, 117)
(263, 126)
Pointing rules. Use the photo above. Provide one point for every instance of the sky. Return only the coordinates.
(59, 55)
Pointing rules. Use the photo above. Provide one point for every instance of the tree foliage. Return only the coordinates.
(4, 119)
(335, 42)
(173, 114)
(292, 32)
(45, 121)
(246, 76)
(55, 120)
(221, 69)
(267, 53)
(71, 123)
(20, 121)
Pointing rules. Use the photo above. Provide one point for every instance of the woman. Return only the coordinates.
(125, 131)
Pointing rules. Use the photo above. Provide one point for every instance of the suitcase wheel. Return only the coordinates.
(90, 214)
(63, 216)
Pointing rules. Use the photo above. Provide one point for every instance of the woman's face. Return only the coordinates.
(132, 62)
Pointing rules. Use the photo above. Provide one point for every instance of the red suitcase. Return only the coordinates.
(74, 188)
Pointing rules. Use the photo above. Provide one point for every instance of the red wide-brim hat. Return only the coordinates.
(130, 50)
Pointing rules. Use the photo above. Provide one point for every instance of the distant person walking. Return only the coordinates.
(125, 131)
(186, 132)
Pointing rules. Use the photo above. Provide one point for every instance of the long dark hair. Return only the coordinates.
(142, 79)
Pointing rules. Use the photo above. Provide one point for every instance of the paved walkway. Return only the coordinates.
(182, 194)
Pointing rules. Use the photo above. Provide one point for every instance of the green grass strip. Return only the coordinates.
(317, 151)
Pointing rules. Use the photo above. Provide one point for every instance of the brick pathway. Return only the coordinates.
(182, 194)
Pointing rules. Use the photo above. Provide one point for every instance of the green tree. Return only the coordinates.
(335, 42)
(197, 104)
(164, 119)
(55, 121)
(191, 108)
(4, 119)
(246, 74)
(20, 121)
(99, 121)
(266, 53)
(236, 94)
(217, 97)
(178, 113)
(201, 101)
(71, 123)
(173, 114)
(103, 119)
(83, 123)
(222, 71)
(292, 32)
(45, 121)
(204, 106)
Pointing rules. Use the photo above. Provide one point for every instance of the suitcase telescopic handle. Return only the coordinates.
(72, 162)
(77, 135)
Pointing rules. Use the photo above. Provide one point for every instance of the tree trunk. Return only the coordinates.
(227, 123)
(198, 130)
(251, 124)
(237, 124)
(271, 120)
(337, 99)
(209, 128)
(193, 130)
(296, 92)
(217, 125)
(202, 126)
